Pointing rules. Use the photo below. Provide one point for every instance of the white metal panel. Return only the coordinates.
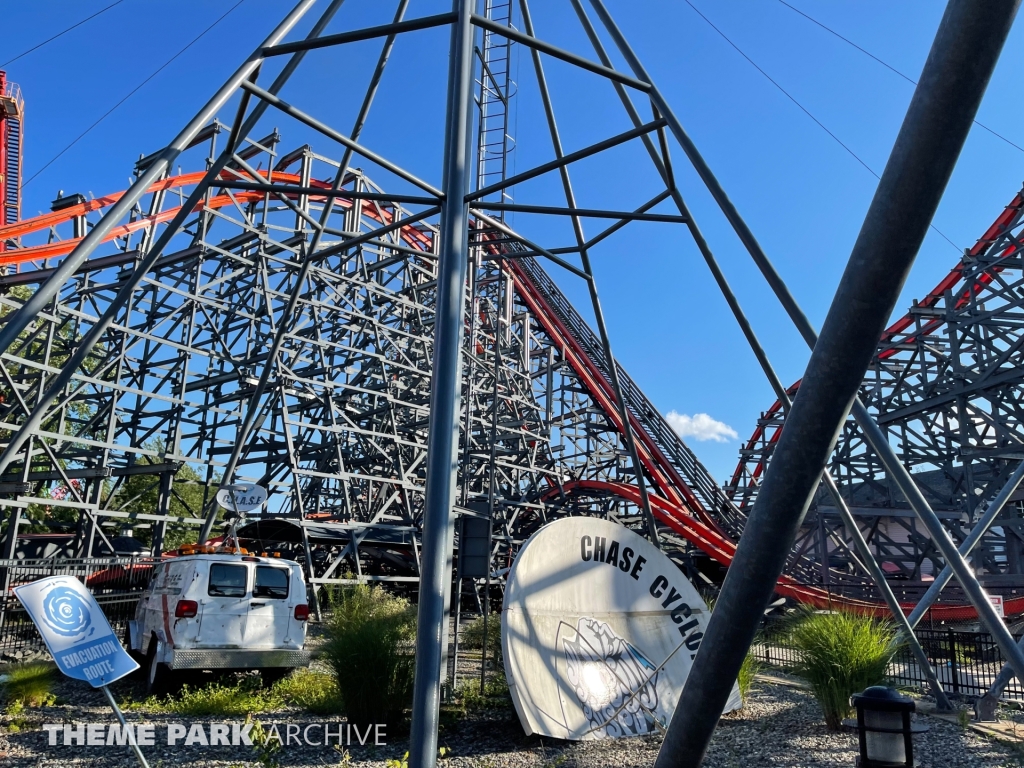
(599, 630)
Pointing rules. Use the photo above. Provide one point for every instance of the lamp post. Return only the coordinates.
(884, 728)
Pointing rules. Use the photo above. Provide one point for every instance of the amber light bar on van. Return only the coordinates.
(208, 549)
(302, 612)
(186, 609)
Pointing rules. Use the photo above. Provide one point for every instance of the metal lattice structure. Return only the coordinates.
(945, 385)
(341, 433)
(284, 335)
(385, 353)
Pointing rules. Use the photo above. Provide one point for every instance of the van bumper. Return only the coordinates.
(233, 658)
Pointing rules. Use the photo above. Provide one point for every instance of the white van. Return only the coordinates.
(221, 611)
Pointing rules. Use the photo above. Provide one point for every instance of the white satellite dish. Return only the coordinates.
(599, 630)
(242, 497)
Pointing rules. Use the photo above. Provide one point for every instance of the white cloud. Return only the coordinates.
(700, 426)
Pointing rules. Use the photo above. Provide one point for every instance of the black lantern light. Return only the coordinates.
(883, 724)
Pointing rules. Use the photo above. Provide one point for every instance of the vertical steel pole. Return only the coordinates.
(445, 391)
(959, 65)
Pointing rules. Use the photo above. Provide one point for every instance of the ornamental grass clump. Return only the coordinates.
(840, 654)
(748, 671)
(370, 651)
(30, 685)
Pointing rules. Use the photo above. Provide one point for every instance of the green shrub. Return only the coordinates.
(473, 635)
(370, 650)
(495, 694)
(30, 685)
(842, 653)
(748, 670)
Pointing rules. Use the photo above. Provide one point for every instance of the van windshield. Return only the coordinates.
(270, 582)
(227, 580)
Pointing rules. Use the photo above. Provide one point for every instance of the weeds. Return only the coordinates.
(369, 649)
(307, 689)
(30, 685)
(17, 723)
(214, 699)
(442, 753)
(266, 749)
(473, 635)
(495, 693)
(842, 653)
(313, 691)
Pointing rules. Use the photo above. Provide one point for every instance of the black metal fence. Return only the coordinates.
(965, 662)
(116, 582)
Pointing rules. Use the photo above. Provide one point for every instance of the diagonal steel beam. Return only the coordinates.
(146, 263)
(959, 66)
(662, 163)
(595, 301)
(980, 529)
(41, 298)
(872, 433)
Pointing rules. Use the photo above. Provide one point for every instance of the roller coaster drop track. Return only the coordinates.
(342, 434)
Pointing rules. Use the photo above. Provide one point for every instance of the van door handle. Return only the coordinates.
(256, 604)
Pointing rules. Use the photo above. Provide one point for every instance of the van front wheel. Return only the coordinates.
(157, 673)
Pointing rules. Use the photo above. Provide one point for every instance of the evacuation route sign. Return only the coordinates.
(75, 630)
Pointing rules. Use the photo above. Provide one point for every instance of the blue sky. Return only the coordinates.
(802, 193)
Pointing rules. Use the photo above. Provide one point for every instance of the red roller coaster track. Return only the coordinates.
(674, 504)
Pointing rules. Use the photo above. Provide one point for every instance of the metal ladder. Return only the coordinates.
(494, 143)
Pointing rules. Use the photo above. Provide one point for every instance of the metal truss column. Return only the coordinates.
(442, 440)
(960, 63)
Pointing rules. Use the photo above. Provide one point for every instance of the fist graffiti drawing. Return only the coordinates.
(617, 687)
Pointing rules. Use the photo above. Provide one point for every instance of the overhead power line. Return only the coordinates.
(802, 108)
(131, 93)
(888, 66)
(786, 93)
(64, 32)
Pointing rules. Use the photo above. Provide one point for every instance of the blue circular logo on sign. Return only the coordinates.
(65, 612)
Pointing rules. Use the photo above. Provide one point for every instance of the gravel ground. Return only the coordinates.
(780, 726)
